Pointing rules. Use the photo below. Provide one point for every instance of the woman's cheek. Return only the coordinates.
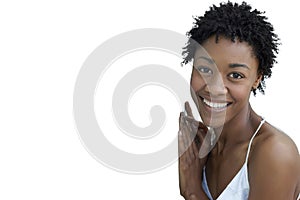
(196, 82)
(240, 92)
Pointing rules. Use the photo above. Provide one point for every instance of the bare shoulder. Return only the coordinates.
(275, 144)
(274, 163)
(275, 141)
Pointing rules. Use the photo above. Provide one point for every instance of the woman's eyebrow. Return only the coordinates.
(234, 65)
(211, 61)
(231, 65)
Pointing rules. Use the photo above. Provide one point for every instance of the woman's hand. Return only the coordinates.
(190, 137)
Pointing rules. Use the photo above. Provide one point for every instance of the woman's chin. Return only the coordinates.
(213, 123)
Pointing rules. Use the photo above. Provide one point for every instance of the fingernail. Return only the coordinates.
(179, 133)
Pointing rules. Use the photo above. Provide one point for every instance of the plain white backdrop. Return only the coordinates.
(42, 47)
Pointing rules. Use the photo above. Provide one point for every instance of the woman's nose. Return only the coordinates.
(216, 86)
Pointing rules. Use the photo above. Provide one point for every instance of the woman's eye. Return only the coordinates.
(204, 70)
(235, 75)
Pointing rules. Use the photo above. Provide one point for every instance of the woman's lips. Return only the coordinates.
(215, 105)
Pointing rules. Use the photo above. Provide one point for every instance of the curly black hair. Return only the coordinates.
(240, 22)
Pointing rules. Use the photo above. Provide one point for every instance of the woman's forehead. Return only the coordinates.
(224, 47)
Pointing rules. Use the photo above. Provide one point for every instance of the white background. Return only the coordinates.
(42, 47)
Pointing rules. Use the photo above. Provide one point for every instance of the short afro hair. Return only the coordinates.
(235, 21)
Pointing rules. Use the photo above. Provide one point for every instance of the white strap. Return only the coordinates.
(250, 143)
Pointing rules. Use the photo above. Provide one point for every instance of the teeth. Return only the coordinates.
(214, 105)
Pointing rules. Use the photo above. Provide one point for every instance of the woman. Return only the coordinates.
(241, 156)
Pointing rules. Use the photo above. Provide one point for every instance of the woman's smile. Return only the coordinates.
(233, 153)
(215, 106)
(223, 76)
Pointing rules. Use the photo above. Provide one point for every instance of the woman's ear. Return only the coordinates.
(257, 82)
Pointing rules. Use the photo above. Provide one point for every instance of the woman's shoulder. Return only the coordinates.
(274, 157)
(273, 141)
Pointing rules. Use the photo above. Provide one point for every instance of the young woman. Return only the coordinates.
(245, 157)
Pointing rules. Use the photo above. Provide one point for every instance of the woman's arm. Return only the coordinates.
(190, 165)
(190, 177)
(274, 169)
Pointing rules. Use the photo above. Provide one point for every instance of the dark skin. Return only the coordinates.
(225, 74)
(189, 163)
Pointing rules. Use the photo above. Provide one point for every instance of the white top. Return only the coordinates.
(238, 188)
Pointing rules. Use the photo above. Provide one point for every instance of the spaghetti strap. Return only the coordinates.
(238, 188)
(250, 143)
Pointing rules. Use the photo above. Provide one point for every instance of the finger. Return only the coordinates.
(181, 120)
(201, 140)
(180, 143)
(201, 135)
(183, 123)
(185, 136)
(197, 141)
(188, 145)
(182, 161)
(183, 126)
(192, 127)
(188, 155)
(191, 152)
(190, 119)
(195, 149)
(193, 123)
(185, 158)
(183, 149)
(188, 109)
(190, 124)
(203, 127)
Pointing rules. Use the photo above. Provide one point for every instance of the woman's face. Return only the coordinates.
(222, 78)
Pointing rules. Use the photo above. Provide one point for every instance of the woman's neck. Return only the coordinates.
(239, 129)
